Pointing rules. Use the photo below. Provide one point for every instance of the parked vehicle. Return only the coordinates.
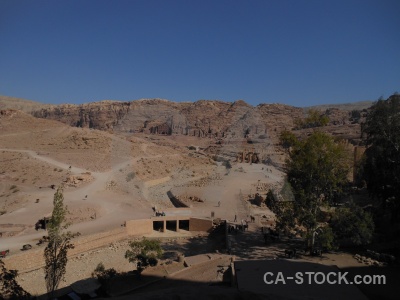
(26, 247)
(4, 253)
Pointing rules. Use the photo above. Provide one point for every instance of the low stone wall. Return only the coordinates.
(139, 227)
(198, 224)
(33, 259)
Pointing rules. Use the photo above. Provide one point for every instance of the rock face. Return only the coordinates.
(212, 119)
(202, 118)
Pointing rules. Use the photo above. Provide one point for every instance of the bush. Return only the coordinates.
(326, 239)
(144, 253)
(314, 119)
(130, 176)
(227, 164)
(104, 276)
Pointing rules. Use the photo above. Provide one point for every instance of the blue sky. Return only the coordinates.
(295, 52)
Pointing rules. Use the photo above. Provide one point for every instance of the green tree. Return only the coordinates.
(287, 139)
(144, 253)
(317, 170)
(353, 224)
(381, 132)
(325, 238)
(286, 191)
(56, 251)
(314, 119)
(9, 287)
(105, 277)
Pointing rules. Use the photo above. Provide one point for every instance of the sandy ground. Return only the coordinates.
(109, 198)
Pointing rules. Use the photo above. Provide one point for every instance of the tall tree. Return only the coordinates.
(56, 250)
(317, 170)
(381, 132)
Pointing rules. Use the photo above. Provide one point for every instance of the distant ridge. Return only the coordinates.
(360, 105)
(7, 102)
(24, 105)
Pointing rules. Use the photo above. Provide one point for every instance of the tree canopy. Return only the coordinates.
(381, 132)
(144, 253)
(314, 119)
(317, 170)
(354, 224)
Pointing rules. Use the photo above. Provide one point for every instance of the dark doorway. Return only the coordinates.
(184, 225)
(171, 225)
(158, 226)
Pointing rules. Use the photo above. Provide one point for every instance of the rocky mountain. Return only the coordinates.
(216, 119)
(221, 129)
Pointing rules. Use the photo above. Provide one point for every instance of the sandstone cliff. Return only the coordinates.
(212, 119)
(202, 118)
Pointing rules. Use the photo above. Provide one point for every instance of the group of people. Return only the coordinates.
(238, 227)
(158, 213)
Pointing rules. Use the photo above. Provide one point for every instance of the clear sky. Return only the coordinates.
(297, 52)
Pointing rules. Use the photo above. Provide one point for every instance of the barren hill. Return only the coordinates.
(20, 104)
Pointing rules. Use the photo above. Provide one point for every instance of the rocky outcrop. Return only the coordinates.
(99, 115)
(204, 118)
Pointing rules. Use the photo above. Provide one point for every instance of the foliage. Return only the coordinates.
(287, 139)
(104, 276)
(286, 216)
(325, 238)
(317, 170)
(227, 164)
(354, 224)
(286, 191)
(314, 119)
(9, 287)
(55, 253)
(381, 132)
(144, 253)
(130, 176)
(355, 115)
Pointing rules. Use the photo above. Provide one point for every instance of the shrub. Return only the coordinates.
(104, 276)
(144, 253)
(130, 176)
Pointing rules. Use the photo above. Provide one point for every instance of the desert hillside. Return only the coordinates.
(7, 102)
